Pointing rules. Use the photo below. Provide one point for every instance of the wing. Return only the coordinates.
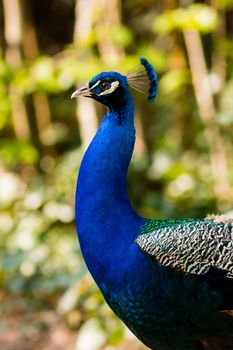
(193, 246)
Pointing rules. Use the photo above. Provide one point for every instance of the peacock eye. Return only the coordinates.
(105, 85)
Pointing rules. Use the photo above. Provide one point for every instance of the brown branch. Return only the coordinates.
(13, 34)
(85, 110)
(31, 51)
(109, 15)
(207, 114)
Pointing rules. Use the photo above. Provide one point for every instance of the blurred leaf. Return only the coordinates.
(228, 4)
(54, 134)
(198, 17)
(5, 71)
(42, 74)
(225, 116)
(121, 35)
(173, 81)
(14, 152)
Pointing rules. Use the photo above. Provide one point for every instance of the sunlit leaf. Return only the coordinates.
(121, 35)
(198, 17)
(14, 152)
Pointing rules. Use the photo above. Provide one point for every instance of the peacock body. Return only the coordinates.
(169, 281)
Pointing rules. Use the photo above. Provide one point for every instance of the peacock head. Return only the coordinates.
(112, 88)
(109, 88)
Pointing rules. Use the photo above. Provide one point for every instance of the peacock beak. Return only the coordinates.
(84, 91)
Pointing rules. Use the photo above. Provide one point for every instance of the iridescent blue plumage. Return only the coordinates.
(168, 280)
(153, 80)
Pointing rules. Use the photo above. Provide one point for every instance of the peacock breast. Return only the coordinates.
(170, 314)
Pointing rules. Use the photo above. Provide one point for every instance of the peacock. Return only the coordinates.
(169, 280)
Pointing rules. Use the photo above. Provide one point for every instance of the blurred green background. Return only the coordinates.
(182, 164)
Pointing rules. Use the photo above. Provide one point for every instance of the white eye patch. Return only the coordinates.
(96, 84)
(112, 88)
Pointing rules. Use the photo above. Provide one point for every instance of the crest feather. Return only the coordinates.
(145, 81)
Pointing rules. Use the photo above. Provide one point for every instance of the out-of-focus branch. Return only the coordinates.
(207, 113)
(13, 34)
(83, 20)
(21, 43)
(29, 39)
(109, 16)
(219, 57)
(30, 52)
(85, 111)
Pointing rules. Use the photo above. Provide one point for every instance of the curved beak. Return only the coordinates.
(84, 91)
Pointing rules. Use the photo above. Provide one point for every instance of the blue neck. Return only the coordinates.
(106, 222)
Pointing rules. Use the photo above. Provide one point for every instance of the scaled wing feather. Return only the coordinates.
(189, 245)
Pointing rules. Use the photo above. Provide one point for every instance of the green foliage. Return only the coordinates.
(224, 3)
(175, 81)
(121, 35)
(14, 152)
(195, 17)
